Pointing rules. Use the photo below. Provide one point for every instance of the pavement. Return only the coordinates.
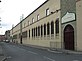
(54, 50)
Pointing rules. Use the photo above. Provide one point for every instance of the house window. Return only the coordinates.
(24, 24)
(32, 20)
(29, 33)
(28, 22)
(38, 17)
(44, 29)
(41, 30)
(52, 27)
(47, 11)
(24, 34)
(38, 30)
(32, 32)
(48, 29)
(57, 26)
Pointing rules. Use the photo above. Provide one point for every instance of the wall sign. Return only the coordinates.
(68, 17)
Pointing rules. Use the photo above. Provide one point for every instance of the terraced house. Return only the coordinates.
(54, 24)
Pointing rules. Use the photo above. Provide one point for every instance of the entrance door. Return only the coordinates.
(69, 37)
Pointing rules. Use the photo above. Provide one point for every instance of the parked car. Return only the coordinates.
(7, 41)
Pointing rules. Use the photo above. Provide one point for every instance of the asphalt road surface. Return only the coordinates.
(15, 52)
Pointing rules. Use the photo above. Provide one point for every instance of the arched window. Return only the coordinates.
(52, 27)
(29, 33)
(41, 30)
(48, 29)
(36, 31)
(44, 29)
(32, 32)
(57, 26)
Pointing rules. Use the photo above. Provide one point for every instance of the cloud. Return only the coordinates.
(11, 10)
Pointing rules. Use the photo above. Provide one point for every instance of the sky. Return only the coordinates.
(12, 10)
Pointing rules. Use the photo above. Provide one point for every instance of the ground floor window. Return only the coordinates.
(52, 27)
(44, 29)
(48, 29)
(38, 30)
(57, 26)
(41, 30)
(29, 33)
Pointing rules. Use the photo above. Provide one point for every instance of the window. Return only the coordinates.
(48, 29)
(57, 26)
(52, 27)
(24, 34)
(38, 17)
(28, 22)
(47, 12)
(29, 33)
(38, 30)
(32, 32)
(41, 30)
(15, 36)
(24, 24)
(32, 20)
(44, 29)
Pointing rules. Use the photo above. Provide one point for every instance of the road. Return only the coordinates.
(15, 52)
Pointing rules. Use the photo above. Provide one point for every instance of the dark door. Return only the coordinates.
(69, 37)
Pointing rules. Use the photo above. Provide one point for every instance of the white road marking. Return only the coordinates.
(4, 59)
(32, 52)
(49, 58)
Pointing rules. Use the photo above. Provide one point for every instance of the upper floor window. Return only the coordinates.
(28, 22)
(47, 11)
(32, 20)
(24, 24)
(38, 17)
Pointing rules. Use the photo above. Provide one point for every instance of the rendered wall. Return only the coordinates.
(79, 24)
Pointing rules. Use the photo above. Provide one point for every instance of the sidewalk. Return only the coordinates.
(1, 54)
(60, 51)
(63, 51)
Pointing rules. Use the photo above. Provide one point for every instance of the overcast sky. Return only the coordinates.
(11, 10)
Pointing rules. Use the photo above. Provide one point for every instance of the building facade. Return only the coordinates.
(7, 35)
(2, 38)
(53, 24)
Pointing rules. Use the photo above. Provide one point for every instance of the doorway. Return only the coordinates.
(69, 37)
